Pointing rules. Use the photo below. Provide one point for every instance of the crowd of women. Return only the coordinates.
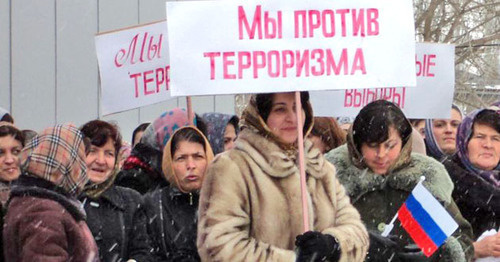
(220, 188)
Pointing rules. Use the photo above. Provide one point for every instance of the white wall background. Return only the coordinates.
(48, 64)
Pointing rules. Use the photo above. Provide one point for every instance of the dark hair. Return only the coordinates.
(374, 120)
(200, 124)
(28, 135)
(189, 135)
(138, 129)
(98, 132)
(7, 118)
(453, 106)
(265, 104)
(235, 120)
(8, 130)
(329, 131)
(488, 118)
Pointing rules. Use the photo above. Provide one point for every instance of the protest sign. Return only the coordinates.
(134, 67)
(230, 47)
(431, 98)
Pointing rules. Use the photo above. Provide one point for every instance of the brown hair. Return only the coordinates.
(329, 131)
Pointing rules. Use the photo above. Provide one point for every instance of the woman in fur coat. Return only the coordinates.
(379, 172)
(250, 203)
(475, 171)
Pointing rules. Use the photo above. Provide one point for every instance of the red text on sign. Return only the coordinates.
(151, 81)
(285, 63)
(265, 26)
(424, 65)
(361, 97)
(330, 23)
(138, 53)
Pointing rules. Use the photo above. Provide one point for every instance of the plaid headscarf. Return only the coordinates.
(464, 134)
(57, 155)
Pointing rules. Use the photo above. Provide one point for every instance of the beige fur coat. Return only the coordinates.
(250, 204)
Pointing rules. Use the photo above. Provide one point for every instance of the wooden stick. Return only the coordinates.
(300, 145)
(190, 110)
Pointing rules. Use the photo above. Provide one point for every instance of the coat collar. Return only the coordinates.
(358, 181)
(278, 162)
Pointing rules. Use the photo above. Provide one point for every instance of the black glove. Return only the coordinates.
(412, 253)
(315, 246)
(383, 248)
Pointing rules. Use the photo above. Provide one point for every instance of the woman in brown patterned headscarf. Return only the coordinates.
(44, 221)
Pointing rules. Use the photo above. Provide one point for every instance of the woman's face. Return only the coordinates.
(101, 162)
(420, 127)
(445, 132)
(189, 163)
(9, 158)
(282, 119)
(229, 137)
(379, 157)
(484, 147)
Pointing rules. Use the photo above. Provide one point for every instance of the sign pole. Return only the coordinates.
(190, 110)
(300, 145)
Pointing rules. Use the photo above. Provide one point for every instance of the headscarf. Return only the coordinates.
(167, 167)
(216, 127)
(251, 119)
(161, 129)
(433, 148)
(3, 112)
(57, 155)
(356, 156)
(464, 134)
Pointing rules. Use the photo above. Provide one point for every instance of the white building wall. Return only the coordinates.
(48, 64)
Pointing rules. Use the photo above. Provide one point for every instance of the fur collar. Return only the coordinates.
(358, 182)
(278, 162)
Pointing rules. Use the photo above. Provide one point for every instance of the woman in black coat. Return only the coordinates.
(173, 210)
(114, 213)
(475, 172)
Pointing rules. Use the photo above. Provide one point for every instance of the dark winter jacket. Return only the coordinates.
(173, 214)
(118, 224)
(477, 199)
(43, 223)
(172, 224)
(378, 198)
(142, 170)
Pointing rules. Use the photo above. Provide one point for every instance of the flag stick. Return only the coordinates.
(190, 110)
(388, 228)
(300, 145)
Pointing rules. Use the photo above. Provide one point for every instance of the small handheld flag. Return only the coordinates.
(425, 219)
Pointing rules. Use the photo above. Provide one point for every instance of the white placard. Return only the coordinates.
(241, 46)
(431, 98)
(134, 67)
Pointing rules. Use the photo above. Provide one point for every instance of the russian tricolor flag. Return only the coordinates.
(426, 220)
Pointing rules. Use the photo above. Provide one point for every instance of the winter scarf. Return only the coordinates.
(216, 127)
(168, 169)
(359, 181)
(57, 155)
(464, 134)
(251, 119)
(161, 129)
